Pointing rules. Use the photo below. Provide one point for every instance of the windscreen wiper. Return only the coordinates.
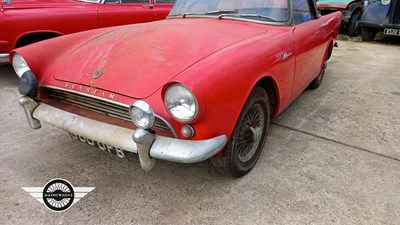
(191, 14)
(248, 15)
(224, 11)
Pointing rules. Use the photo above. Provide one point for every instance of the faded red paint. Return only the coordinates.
(219, 60)
(67, 16)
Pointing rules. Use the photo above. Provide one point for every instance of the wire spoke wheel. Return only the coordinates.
(250, 132)
(247, 140)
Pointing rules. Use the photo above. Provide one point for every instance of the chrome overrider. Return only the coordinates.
(4, 58)
(148, 146)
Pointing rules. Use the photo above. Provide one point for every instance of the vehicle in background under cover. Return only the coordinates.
(202, 84)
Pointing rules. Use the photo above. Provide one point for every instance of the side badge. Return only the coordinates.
(286, 55)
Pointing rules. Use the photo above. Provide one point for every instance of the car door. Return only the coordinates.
(119, 12)
(309, 38)
(162, 8)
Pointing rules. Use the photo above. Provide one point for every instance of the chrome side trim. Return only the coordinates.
(4, 58)
(109, 101)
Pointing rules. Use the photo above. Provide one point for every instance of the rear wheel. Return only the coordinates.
(354, 29)
(247, 140)
(318, 80)
(367, 34)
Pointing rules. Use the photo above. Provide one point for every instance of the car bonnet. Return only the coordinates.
(137, 60)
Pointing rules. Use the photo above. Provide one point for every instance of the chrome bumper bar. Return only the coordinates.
(4, 58)
(148, 146)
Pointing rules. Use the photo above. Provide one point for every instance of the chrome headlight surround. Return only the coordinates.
(142, 115)
(385, 2)
(181, 103)
(20, 65)
(28, 84)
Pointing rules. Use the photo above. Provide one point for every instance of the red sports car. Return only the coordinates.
(202, 84)
(27, 21)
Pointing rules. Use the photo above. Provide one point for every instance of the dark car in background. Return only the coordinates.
(383, 15)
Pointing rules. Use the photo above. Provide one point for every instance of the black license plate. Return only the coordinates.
(105, 148)
(394, 32)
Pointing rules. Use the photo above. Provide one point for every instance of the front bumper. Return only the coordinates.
(148, 146)
(378, 26)
(4, 58)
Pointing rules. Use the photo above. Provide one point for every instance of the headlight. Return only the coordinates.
(142, 115)
(385, 2)
(28, 84)
(20, 65)
(181, 103)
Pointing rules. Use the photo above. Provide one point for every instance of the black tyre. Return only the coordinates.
(318, 80)
(247, 140)
(367, 34)
(354, 29)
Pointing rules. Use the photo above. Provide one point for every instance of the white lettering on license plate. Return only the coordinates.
(106, 148)
(394, 32)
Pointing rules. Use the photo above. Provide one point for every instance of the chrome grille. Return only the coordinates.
(97, 105)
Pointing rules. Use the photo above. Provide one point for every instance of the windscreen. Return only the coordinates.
(263, 10)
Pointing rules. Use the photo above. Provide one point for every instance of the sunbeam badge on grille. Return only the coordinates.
(89, 90)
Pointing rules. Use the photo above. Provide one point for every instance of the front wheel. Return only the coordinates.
(354, 29)
(247, 140)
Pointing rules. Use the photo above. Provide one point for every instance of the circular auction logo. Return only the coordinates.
(58, 195)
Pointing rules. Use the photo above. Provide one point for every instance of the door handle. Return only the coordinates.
(325, 24)
(148, 6)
